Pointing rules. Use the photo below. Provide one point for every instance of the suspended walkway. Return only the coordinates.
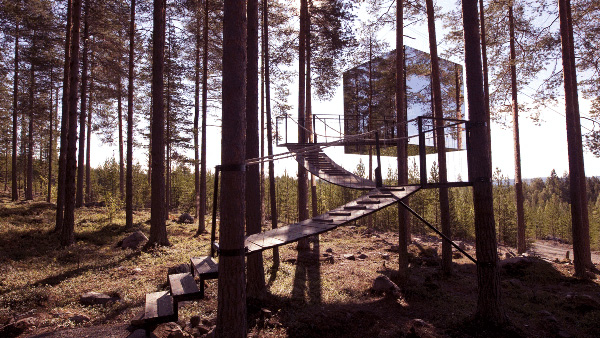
(163, 306)
(370, 203)
(322, 166)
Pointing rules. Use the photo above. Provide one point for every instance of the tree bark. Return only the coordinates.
(29, 187)
(272, 189)
(50, 139)
(158, 229)
(197, 120)
(489, 304)
(582, 179)
(68, 230)
(120, 124)
(131, 74)
(82, 115)
(302, 174)
(402, 143)
(231, 310)
(309, 120)
(201, 224)
(521, 244)
(578, 204)
(255, 285)
(441, 141)
(15, 183)
(88, 177)
(62, 158)
(486, 86)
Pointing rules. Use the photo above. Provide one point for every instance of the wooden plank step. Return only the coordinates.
(183, 287)
(205, 267)
(339, 213)
(369, 202)
(392, 189)
(381, 196)
(159, 308)
(355, 207)
(324, 220)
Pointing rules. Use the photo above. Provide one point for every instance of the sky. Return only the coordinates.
(543, 145)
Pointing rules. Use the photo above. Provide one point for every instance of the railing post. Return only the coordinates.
(378, 178)
(214, 215)
(422, 152)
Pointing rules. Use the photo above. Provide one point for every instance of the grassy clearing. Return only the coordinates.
(328, 299)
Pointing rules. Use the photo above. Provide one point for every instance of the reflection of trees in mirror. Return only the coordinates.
(357, 89)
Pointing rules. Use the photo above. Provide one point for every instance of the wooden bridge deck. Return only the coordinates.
(322, 166)
(374, 201)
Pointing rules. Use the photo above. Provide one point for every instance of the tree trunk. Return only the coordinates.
(486, 86)
(68, 230)
(201, 225)
(489, 304)
(168, 139)
(158, 229)
(29, 187)
(441, 141)
(255, 285)
(521, 244)
(15, 185)
(309, 120)
(578, 204)
(582, 178)
(50, 139)
(302, 174)
(197, 119)
(120, 122)
(62, 158)
(129, 174)
(402, 143)
(272, 189)
(82, 115)
(88, 178)
(231, 311)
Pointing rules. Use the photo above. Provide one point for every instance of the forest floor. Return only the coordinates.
(41, 284)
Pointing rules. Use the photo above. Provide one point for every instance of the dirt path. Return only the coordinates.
(552, 250)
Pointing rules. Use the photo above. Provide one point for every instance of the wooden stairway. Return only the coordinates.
(162, 306)
(372, 202)
(321, 165)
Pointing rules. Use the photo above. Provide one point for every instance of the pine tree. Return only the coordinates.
(158, 229)
(82, 114)
(489, 304)
(130, 89)
(440, 140)
(68, 229)
(255, 280)
(231, 310)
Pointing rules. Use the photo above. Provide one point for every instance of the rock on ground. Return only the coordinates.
(96, 298)
(382, 284)
(186, 218)
(133, 241)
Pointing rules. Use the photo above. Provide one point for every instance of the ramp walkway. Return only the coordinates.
(372, 202)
